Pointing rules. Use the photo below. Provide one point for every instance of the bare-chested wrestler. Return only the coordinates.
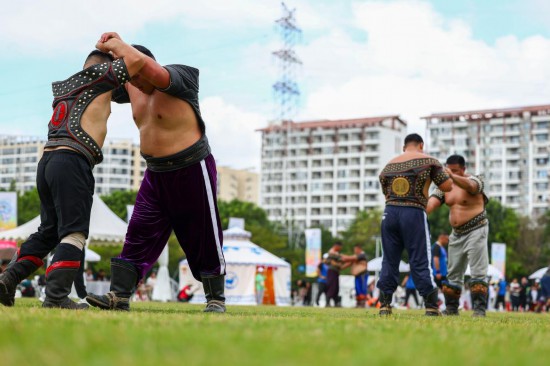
(468, 241)
(178, 191)
(405, 181)
(76, 133)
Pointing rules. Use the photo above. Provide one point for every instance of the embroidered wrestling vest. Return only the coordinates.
(403, 183)
(71, 98)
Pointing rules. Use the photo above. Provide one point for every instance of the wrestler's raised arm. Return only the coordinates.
(151, 70)
(135, 61)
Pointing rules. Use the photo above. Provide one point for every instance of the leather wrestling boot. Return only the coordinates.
(452, 299)
(385, 304)
(59, 280)
(15, 273)
(124, 278)
(214, 291)
(479, 290)
(430, 301)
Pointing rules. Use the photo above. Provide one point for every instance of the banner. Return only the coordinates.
(313, 251)
(498, 256)
(8, 210)
(129, 212)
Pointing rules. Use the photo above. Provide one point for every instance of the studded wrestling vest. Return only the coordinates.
(403, 183)
(72, 97)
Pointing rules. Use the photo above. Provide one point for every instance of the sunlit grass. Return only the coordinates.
(178, 334)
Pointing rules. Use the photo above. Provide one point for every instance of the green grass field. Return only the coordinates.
(178, 334)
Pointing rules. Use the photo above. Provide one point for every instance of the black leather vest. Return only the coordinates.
(72, 97)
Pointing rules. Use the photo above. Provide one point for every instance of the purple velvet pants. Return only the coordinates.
(182, 200)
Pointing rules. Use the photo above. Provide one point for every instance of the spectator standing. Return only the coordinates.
(515, 289)
(322, 270)
(501, 294)
(410, 290)
(260, 286)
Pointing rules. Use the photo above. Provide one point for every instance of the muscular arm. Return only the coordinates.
(134, 60)
(446, 186)
(433, 204)
(465, 183)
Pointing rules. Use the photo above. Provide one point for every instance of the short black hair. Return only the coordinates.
(413, 138)
(338, 243)
(144, 50)
(456, 159)
(100, 55)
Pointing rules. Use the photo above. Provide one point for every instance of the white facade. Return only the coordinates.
(122, 167)
(510, 147)
(324, 172)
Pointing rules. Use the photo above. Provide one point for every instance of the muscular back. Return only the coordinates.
(166, 124)
(94, 118)
(406, 179)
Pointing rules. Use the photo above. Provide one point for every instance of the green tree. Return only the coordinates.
(363, 231)
(118, 200)
(28, 206)
(439, 222)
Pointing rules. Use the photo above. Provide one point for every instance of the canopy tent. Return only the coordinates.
(243, 259)
(375, 265)
(539, 273)
(104, 225)
(492, 272)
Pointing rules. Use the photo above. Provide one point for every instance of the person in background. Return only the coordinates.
(439, 259)
(410, 290)
(545, 289)
(515, 289)
(322, 270)
(501, 294)
(524, 289)
(260, 285)
(359, 269)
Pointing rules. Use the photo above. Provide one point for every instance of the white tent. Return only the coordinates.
(538, 274)
(243, 258)
(375, 265)
(104, 225)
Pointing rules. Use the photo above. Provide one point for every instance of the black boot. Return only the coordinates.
(385, 304)
(124, 279)
(15, 273)
(214, 291)
(430, 301)
(479, 291)
(59, 281)
(452, 299)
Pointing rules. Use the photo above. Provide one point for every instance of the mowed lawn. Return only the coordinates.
(180, 334)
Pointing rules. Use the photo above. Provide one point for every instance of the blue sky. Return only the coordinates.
(361, 58)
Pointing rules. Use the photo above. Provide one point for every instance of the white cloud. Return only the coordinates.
(62, 26)
(415, 62)
(232, 133)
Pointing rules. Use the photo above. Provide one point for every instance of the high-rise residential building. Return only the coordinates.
(122, 167)
(510, 147)
(323, 172)
(238, 184)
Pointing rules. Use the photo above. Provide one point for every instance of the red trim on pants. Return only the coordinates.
(31, 258)
(63, 264)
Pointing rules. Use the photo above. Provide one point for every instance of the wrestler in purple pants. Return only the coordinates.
(182, 200)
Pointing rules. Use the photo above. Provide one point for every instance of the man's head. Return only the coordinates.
(137, 81)
(97, 57)
(357, 249)
(443, 239)
(337, 246)
(413, 140)
(456, 164)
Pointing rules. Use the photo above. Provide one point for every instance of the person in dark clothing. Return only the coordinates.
(439, 259)
(410, 290)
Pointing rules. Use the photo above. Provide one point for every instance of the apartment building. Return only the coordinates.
(510, 147)
(238, 184)
(122, 167)
(323, 172)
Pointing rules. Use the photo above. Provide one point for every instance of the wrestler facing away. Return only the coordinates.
(178, 191)
(65, 182)
(405, 181)
(468, 240)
